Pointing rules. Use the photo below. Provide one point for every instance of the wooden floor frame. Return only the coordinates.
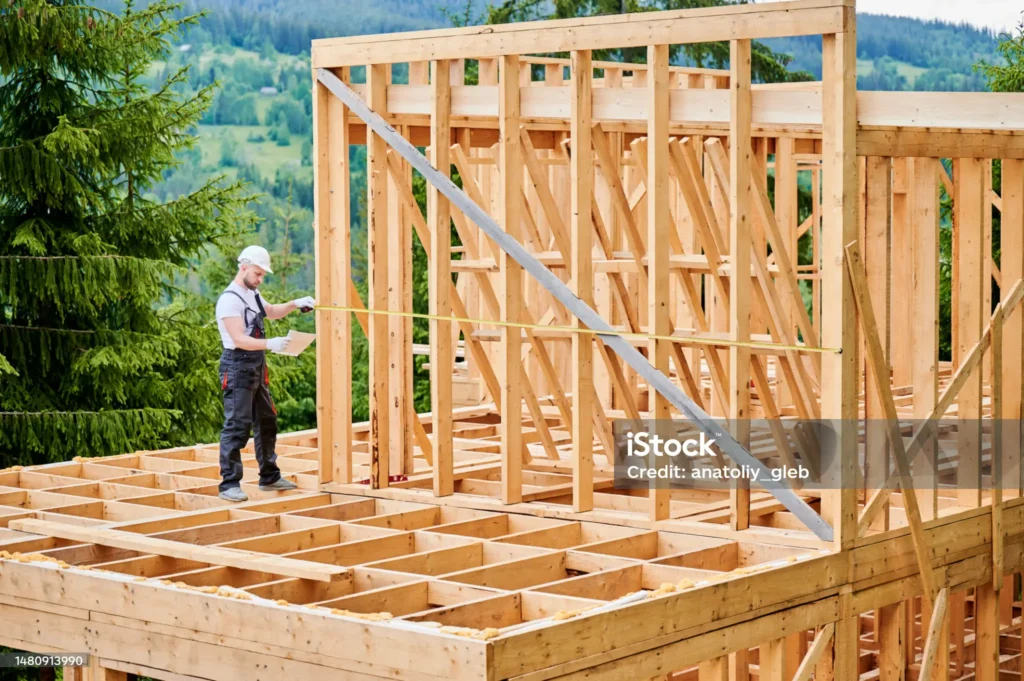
(135, 560)
(486, 540)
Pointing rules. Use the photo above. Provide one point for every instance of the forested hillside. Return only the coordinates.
(894, 53)
(258, 127)
(897, 53)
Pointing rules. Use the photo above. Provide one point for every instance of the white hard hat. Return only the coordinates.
(256, 255)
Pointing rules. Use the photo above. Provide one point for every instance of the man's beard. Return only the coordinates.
(249, 285)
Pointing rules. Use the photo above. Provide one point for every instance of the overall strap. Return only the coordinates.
(259, 304)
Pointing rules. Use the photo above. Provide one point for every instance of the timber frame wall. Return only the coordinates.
(485, 540)
(678, 164)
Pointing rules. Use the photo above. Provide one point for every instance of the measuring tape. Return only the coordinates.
(571, 329)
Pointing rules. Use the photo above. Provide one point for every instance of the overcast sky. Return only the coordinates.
(1002, 15)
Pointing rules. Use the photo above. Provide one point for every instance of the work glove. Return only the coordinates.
(305, 304)
(279, 344)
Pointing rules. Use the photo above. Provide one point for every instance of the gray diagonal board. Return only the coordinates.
(656, 379)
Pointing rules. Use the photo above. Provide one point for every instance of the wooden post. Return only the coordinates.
(378, 256)
(795, 648)
(332, 244)
(439, 222)
(739, 665)
(892, 638)
(1012, 269)
(957, 616)
(876, 257)
(715, 669)
(923, 209)
(967, 204)
(935, 657)
(772, 660)
(581, 228)
(902, 326)
(787, 216)
(986, 251)
(739, 283)
(839, 323)
(657, 239)
(400, 403)
(510, 171)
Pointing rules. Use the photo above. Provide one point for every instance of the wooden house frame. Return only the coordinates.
(486, 539)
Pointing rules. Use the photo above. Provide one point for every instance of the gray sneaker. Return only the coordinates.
(234, 494)
(279, 486)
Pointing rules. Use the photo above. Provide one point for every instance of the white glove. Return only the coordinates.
(279, 344)
(306, 303)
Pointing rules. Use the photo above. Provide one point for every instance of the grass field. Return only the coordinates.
(267, 156)
(908, 71)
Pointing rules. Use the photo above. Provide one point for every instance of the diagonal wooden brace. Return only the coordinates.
(880, 370)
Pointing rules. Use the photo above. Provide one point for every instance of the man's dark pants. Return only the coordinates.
(244, 381)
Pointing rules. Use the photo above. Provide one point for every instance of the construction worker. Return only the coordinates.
(244, 378)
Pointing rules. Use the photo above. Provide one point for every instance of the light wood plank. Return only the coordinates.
(439, 223)
(878, 367)
(581, 232)
(968, 202)
(510, 170)
(740, 300)
(839, 227)
(1011, 234)
(332, 244)
(378, 256)
(657, 234)
(923, 211)
(807, 17)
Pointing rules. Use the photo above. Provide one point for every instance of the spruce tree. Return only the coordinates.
(93, 360)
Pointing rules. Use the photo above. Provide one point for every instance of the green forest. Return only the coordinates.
(112, 252)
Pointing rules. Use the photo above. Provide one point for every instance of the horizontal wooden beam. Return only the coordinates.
(244, 560)
(916, 142)
(777, 19)
(956, 112)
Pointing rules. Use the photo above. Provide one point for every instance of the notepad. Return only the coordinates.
(299, 341)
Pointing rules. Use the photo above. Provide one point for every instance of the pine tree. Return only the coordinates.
(1008, 76)
(90, 363)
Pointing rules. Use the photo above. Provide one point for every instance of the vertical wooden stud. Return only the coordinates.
(657, 238)
(439, 284)
(968, 203)
(986, 252)
(876, 256)
(715, 669)
(400, 364)
(986, 632)
(1011, 235)
(739, 284)
(772, 659)
(581, 228)
(786, 215)
(901, 325)
(923, 212)
(510, 171)
(333, 261)
(378, 256)
(892, 634)
(839, 330)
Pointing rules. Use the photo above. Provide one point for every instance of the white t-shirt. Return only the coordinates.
(229, 305)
